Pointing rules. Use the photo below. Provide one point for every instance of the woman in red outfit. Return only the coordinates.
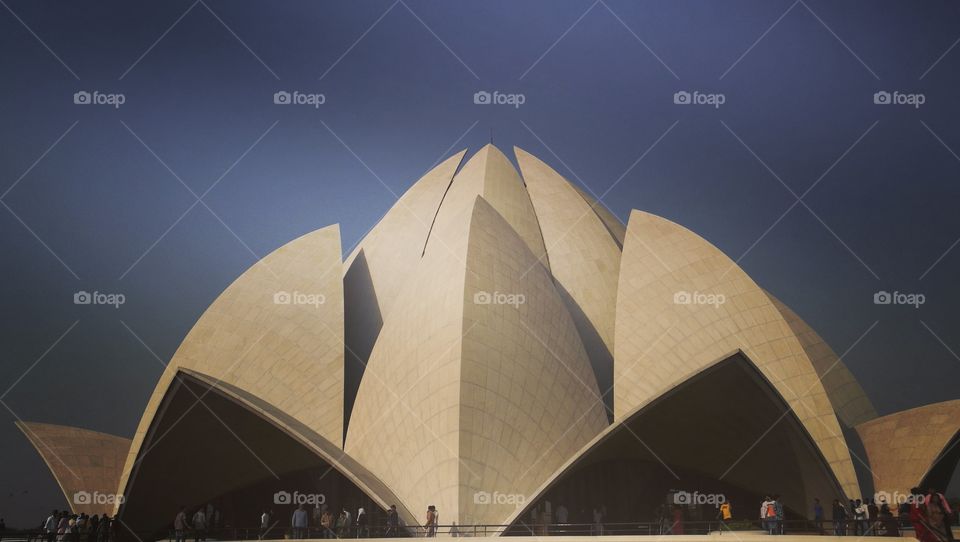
(918, 514)
(929, 519)
(935, 527)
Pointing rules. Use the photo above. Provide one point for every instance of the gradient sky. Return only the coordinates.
(102, 198)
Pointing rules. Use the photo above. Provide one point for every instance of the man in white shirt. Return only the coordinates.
(264, 524)
(50, 526)
(860, 514)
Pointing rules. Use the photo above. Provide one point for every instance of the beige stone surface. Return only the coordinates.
(849, 401)
(660, 341)
(529, 398)
(381, 264)
(393, 247)
(84, 463)
(616, 228)
(584, 257)
(288, 354)
(489, 174)
(902, 447)
(463, 397)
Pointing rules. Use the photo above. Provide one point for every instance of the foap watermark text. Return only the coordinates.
(485, 497)
(698, 298)
(84, 297)
(297, 498)
(884, 297)
(86, 497)
(315, 100)
(883, 97)
(83, 97)
(687, 498)
(684, 97)
(499, 298)
(284, 297)
(482, 97)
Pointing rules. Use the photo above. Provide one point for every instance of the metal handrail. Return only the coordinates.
(790, 526)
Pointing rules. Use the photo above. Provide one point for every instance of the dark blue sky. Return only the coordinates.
(105, 206)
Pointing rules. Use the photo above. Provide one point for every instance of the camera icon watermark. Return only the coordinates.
(499, 298)
(96, 97)
(684, 97)
(84, 297)
(284, 498)
(284, 297)
(883, 97)
(884, 297)
(684, 297)
(483, 97)
(283, 97)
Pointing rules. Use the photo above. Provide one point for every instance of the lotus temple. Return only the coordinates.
(499, 341)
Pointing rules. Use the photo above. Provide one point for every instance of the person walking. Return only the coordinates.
(860, 516)
(726, 514)
(264, 524)
(180, 525)
(778, 508)
(393, 522)
(94, 525)
(839, 518)
(81, 528)
(563, 515)
(873, 517)
(818, 515)
(935, 524)
(315, 516)
(597, 521)
(768, 514)
(888, 522)
(102, 529)
(50, 525)
(918, 513)
(199, 525)
(63, 527)
(347, 522)
(676, 527)
(934, 496)
(342, 524)
(431, 523)
(326, 523)
(363, 524)
(299, 523)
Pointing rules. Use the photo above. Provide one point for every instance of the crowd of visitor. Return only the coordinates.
(62, 526)
(928, 512)
(322, 522)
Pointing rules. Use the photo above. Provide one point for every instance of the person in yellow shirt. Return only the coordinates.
(726, 514)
